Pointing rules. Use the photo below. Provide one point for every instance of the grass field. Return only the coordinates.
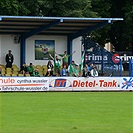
(66, 112)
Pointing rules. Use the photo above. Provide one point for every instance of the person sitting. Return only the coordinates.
(30, 69)
(86, 73)
(91, 67)
(71, 68)
(76, 71)
(23, 69)
(49, 69)
(36, 73)
(94, 72)
(64, 71)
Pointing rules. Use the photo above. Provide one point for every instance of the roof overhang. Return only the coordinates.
(67, 26)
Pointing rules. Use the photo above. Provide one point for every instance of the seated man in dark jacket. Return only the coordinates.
(86, 73)
(23, 69)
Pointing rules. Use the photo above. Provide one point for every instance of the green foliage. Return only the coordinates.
(9, 7)
(18, 7)
(73, 8)
(119, 33)
(101, 7)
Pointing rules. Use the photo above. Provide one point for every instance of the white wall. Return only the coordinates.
(60, 47)
(7, 42)
(77, 45)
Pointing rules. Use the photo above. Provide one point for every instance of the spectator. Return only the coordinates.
(30, 69)
(86, 73)
(36, 73)
(23, 69)
(71, 68)
(91, 67)
(49, 69)
(76, 71)
(57, 63)
(65, 59)
(94, 72)
(9, 59)
(64, 71)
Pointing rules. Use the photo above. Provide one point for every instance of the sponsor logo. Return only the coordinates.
(116, 58)
(127, 83)
(7, 80)
(60, 83)
(97, 57)
(95, 83)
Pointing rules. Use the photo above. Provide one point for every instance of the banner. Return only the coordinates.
(43, 48)
(24, 84)
(91, 84)
(66, 84)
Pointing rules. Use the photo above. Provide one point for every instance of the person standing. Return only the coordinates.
(57, 64)
(65, 59)
(9, 59)
(49, 69)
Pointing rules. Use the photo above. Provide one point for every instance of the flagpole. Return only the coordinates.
(85, 46)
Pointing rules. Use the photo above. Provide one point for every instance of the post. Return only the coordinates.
(120, 67)
(22, 50)
(85, 47)
(69, 49)
(102, 63)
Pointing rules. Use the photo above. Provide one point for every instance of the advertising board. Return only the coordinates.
(24, 84)
(66, 84)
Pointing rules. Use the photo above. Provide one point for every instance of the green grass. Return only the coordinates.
(68, 112)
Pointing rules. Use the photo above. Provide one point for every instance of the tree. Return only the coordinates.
(119, 33)
(67, 8)
(19, 7)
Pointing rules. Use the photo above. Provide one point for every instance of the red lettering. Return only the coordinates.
(8, 80)
(114, 83)
(57, 83)
(101, 81)
(82, 84)
(75, 83)
(90, 84)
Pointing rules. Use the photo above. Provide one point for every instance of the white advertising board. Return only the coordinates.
(97, 83)
(24, 84)
(66, 84)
